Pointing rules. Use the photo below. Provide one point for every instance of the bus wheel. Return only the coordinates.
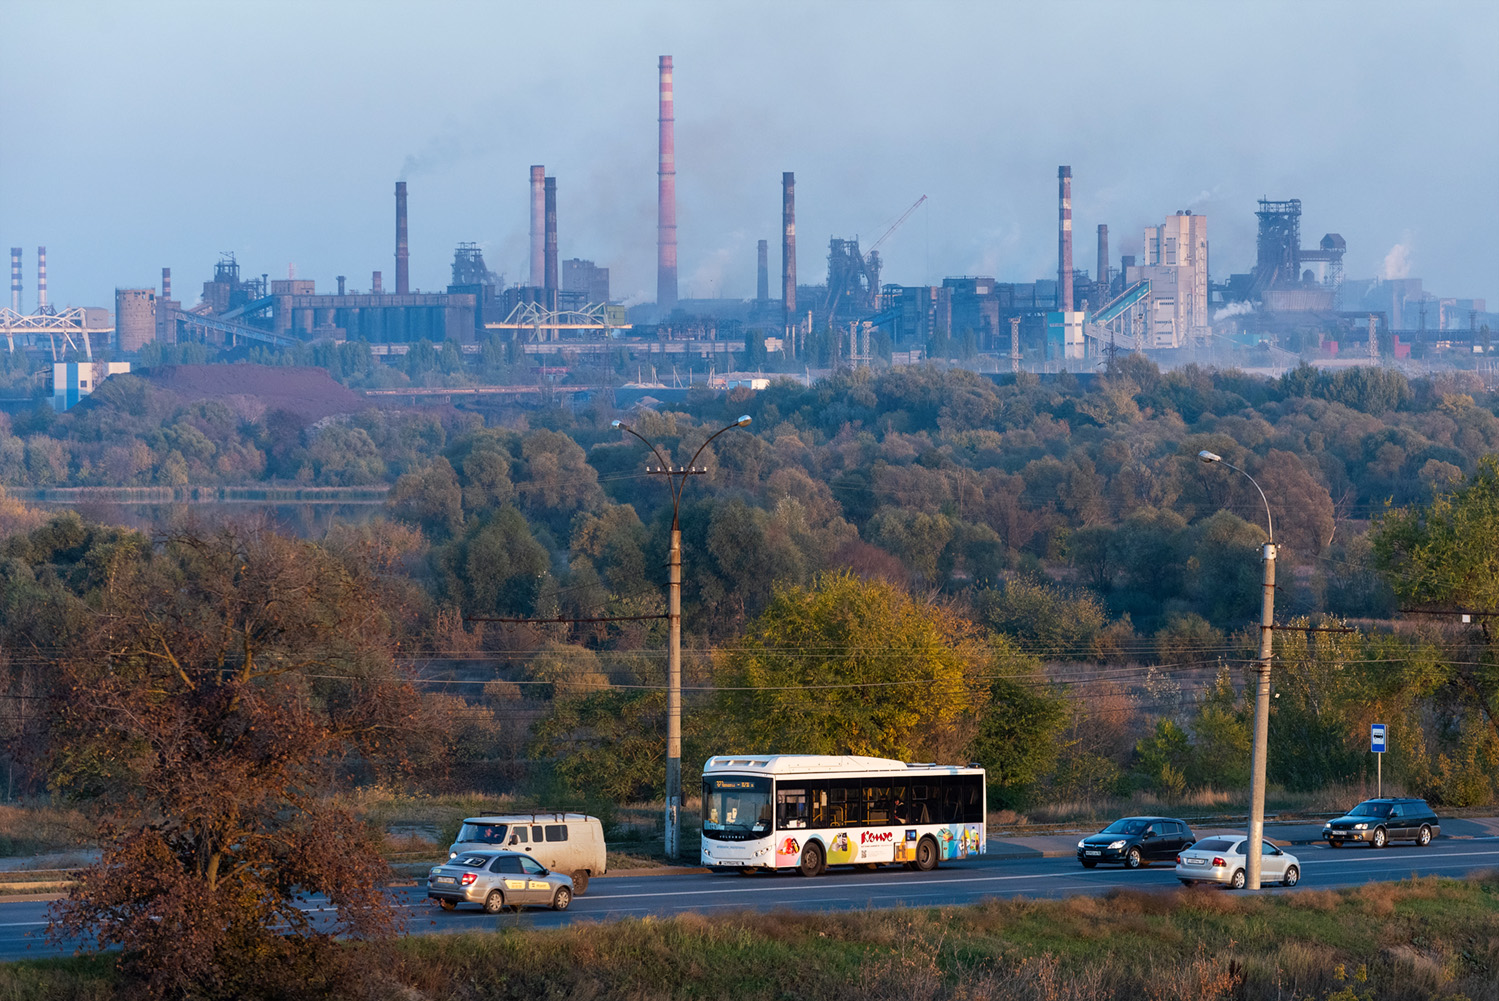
(926, 855)
(811, 860)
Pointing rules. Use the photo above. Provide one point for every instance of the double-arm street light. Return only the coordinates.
(1262, 693)
(676, 476)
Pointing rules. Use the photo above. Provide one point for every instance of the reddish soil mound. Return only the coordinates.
(310, 392)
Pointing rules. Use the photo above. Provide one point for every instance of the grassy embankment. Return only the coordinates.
(1422, 939)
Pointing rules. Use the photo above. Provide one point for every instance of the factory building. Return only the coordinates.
(73, 380)
(1175, 262)
(584, 280)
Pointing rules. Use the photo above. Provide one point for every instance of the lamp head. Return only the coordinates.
(1207, 456)
(743, 420)
(616, 424)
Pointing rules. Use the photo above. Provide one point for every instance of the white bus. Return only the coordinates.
(810, 811)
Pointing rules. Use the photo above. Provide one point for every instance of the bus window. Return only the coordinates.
(817, 794)
(853, 795)
(837, 805)
(876, 805)
(791, 808)
(900, 806)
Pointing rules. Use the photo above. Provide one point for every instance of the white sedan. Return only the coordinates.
(1222, 860)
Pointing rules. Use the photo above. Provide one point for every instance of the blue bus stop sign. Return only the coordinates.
(1376, 738)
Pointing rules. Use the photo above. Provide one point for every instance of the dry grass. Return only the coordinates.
(1425, 939)
(38, 828)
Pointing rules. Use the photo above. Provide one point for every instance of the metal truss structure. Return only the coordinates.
(548, 324)
(70, 326)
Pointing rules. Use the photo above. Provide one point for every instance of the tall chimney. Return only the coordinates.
(538, 223)
(550, 276)
(788, 249)
(1103, 263)
(376, 287)
(666, 199)
(762, 278)
(41, 279)
(403, 252)
(15, 279)
(340, 284)
(1064, 240)
(166, 283)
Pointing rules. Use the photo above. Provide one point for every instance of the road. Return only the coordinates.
(609, 899)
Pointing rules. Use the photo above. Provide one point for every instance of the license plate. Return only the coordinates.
(446, 879)
(1092, 853)
(1197, 861)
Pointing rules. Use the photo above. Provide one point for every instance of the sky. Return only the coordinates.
(136, 135)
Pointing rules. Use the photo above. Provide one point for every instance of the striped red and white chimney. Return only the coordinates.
(666, 198)
(1064, 240)
(41, 279)
(15, 279)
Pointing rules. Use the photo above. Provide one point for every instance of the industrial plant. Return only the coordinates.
(1293, 303)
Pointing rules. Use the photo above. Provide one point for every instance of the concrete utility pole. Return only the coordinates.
(1261, 695)
(676, 476)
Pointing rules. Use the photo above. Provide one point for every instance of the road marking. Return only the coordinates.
(1396, 859)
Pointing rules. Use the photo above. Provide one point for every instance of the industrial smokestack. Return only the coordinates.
(340, 284)
(666, 199)
(762, 278)
(166, 283)
(403, 252)
(1064, 240)
(41, 279)
(15, 279)
(538, 223)
(788, 249)
(550, 276)
(376, 287)
(1103, 263)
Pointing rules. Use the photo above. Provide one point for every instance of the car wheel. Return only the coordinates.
(812, 862)
(447, 905)
(1334, 844)
(1236, 881)
(926, 855)
(1293, 876)
(1424, 838)
(1088, 863)
(494, 903)
(1381, 839)
(580, 882)
(1184, 882)
(562, 898)
(1133, 859)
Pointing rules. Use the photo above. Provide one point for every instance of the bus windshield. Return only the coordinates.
(736, 803)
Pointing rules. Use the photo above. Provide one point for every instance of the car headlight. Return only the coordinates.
(1080, 844)
(452, 854)
(1117, 844)
(1360, 827)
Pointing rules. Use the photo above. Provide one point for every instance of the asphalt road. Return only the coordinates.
(609, 899)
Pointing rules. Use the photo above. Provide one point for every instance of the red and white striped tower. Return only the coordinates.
(41, 279)
(666, 200)
(1064, 240)
(15, 279)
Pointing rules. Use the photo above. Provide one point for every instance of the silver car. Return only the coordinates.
(1222, 860)
(496, 880)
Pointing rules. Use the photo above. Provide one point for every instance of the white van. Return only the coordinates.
(570, 843)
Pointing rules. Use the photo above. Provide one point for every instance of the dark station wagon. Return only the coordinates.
(1380, 821)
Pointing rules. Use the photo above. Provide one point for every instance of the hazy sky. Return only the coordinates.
(147, 133)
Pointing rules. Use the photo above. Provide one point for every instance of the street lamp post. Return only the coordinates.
(676, 476)
(1262, 692)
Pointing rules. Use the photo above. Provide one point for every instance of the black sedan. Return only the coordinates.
(1136, 841)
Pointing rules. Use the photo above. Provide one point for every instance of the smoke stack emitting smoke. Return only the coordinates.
(1064, 240)
(41, 279)
(538, 223)
(403, 271)
(788, 248)
(549, 190)
(666, 198)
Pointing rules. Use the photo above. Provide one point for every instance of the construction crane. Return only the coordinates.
(896, 224)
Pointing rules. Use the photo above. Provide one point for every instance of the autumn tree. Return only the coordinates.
(224, 680)
(852, 666)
